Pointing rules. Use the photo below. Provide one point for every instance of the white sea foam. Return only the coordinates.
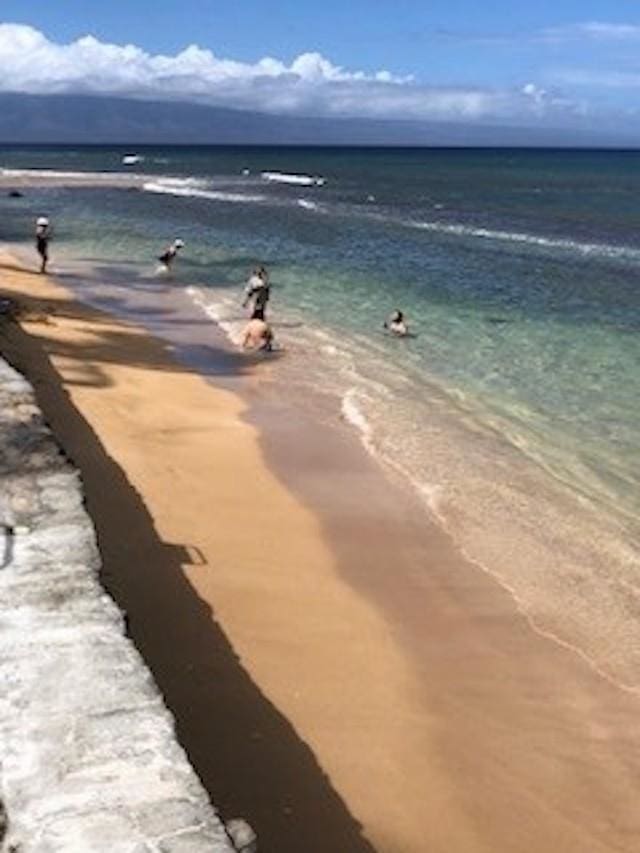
(299, 180)
(431, 494)
(353, 414)
(166, 187)
(52, 174)
(307, 205)
(220, 311)
(187, 186)
(531, 239)
(131, 159)
(188, 181)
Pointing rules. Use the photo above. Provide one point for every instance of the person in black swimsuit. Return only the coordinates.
(43, 235)
(169, 255)
(258, 291)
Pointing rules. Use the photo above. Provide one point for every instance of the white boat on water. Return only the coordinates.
(298, 180)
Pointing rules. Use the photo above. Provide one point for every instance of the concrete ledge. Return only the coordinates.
(89, 759)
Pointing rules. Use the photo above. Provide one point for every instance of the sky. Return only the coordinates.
(547, 64)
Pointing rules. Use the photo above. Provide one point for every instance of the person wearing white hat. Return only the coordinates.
(169, 255)
(43, 235)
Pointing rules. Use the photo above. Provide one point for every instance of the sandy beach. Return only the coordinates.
(341, 677)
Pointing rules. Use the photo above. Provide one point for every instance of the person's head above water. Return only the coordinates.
(397, 324)
(178, 244)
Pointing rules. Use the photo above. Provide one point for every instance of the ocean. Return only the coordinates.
(512, 410)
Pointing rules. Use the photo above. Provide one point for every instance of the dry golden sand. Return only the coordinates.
(340, 677)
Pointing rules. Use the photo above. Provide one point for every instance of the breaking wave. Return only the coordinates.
(601, 249)
(176, 188)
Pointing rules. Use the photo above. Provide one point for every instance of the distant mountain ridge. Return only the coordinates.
(95, 119)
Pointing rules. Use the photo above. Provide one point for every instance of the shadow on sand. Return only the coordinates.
(108, 347)
(247, 754)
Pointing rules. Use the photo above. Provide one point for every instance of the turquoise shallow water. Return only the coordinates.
(514, 409)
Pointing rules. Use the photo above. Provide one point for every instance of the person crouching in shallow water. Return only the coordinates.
(257, 291)
(396, 324)
(258, 336)
(169, 255)
(43, 235)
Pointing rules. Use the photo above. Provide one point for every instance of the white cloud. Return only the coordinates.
(591, 79)
(581, 31)
(30, 62)
(600, 31)
(311, 84)
(616, 32)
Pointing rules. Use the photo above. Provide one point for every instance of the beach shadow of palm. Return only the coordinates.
(115, 343)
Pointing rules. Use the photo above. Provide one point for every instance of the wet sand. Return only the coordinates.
(341, 677)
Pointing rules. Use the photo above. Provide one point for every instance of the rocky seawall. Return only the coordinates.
(89, 757)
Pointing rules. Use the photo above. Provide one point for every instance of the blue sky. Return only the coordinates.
(548, 63)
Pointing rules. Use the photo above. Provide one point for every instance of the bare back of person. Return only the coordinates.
(257, 336)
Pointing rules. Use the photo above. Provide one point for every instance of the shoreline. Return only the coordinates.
(412, 668)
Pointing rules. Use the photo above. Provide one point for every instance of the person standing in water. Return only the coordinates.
(170, 253)
(258, 291)
(43, 235)
(396, 324)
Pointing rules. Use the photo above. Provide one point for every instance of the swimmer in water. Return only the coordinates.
(396, 324)
(169, 255)
(258, 336)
